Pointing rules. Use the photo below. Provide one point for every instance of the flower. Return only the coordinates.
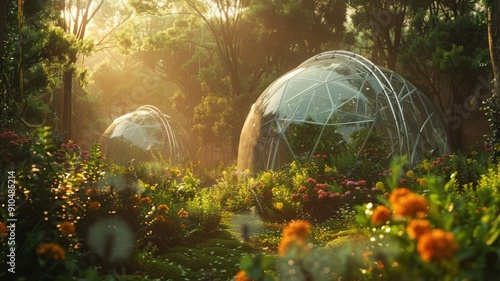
(3, 230)
(410, 174)
(294, 234)
(379, 185)
(51, 251)
(67, 228)
(279, 205)
(436, 245)
(182, 226)
(91, 192)
(417, 228)
(160, 218)
(381, 215)
(183, 213)
(94, 206)
(146, 200)
(242, 276)
(163, 208)
(408, 204)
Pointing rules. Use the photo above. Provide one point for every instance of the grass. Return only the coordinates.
(218, 257)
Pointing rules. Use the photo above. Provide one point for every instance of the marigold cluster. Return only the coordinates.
(294, 234)
(436, 244)
(408, 204)
(67, 228)
(51, 251)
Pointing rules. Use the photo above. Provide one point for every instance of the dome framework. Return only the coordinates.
(145, 134)
(338, 101)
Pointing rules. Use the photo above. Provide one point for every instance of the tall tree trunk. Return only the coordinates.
(494, 44)
(494, 104)
(68, 98)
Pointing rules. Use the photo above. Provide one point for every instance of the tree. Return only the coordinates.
(444, 63)
(75, 19)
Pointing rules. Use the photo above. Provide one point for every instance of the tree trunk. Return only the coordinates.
(68, 98)
(494, 44)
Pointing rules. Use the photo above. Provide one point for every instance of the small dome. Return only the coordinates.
(145, 134)
(339, 101)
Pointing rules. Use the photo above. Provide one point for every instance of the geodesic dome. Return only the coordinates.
(338, 101)
(145, 134)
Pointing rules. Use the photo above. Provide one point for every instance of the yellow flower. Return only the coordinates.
(436, 245)
(410, 174)
(275, 190)
(279, 205)
(67, 228)
(379, 185)
(51, 251)
(381, 215)
(423, 181)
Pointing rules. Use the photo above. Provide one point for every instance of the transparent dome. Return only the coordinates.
(339, 101)
(145, 134)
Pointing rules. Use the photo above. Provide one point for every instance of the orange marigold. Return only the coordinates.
(408, 204)
(242, 276)
(94, 206)
(183, 213)
(91, 192)
(51, 251)
(160, 218)
(381, 215)
(436, 245)
(163, 208)
(146, 200)
(3, 230)
(67, 228)
(294, 234)
(417, 228)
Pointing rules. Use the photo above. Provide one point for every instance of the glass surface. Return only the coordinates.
(145, 134)
(336, 99)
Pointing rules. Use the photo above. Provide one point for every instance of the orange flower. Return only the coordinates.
(436, 245)
(3, 230)
(91, 192)
(67, 228)
(183, 226)
(417, 228)
(94, 206)
(408, 204)
(242, 276)
(294, 234)
(146, 200)
(160, 218)
(381, 215)
(163, 208)
(51, 251)
(183, 213)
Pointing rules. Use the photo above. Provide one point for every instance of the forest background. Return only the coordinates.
(76, 65)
